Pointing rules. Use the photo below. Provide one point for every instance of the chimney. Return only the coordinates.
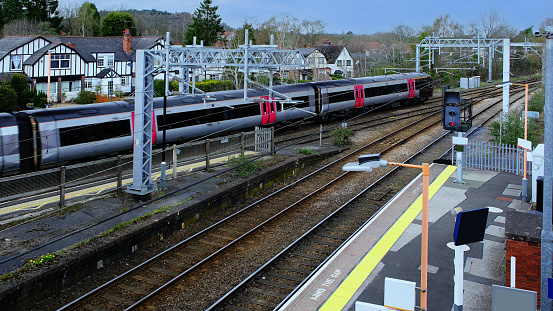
(71, 45)
(127, 42)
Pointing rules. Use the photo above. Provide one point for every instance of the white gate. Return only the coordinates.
(495, 157)
(263, 139)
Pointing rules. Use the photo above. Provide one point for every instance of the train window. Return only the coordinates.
(379, 90)
(93, 132)
(403, 87)
(337, 97)
(303, 101)
(195, 117)
(246, 110)
(421, 83)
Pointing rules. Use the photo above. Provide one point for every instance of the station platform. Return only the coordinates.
(389, 246)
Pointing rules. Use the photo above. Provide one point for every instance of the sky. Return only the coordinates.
(357, 16)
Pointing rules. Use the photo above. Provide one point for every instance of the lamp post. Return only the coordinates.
(366, 164)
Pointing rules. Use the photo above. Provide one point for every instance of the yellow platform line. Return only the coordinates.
(355, 279)
(101, 188)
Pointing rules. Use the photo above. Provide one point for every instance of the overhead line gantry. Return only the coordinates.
(186, 60)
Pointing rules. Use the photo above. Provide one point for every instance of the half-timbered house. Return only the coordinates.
(64, 66)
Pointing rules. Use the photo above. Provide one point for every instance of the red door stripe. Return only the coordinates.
(154, 129)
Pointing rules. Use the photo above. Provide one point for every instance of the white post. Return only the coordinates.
(458, 277)
(174, 162)
(321, 136)
(513, 271)
(506, 72)
(459, 163)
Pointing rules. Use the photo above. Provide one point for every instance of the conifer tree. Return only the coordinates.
(206, 25)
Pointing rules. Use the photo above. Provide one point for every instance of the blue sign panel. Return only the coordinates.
(470, 226)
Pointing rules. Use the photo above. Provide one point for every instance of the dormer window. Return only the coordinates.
(106, 60)
(16, 62)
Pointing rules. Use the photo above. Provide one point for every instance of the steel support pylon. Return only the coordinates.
(143, 126)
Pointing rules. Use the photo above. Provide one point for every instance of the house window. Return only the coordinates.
(348, 62)
(106, 60)
(60, 61)
(16, 62)
(339, 62)
(88, 84)
(126, 81)
(110, 87)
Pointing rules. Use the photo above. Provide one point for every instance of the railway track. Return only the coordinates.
(237, 245)
(269, 286)
(311, 133)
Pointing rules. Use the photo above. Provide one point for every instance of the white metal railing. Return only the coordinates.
(495, 157)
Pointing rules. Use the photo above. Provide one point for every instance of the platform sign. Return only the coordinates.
(463, 141)
(513, 299)
(399, 294)
(532, 114)
(365, 306)
(523, 143)
(470, 226)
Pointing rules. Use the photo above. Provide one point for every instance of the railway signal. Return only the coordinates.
(456, 112)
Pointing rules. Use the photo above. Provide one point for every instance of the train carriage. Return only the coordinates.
(38, 138)
(9, 143)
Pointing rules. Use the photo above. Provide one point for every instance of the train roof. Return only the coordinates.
(7, 119)
(227, 95)
(79, 111)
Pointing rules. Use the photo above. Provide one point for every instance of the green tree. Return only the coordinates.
(115, 23)
(43, 11)
(8, 99)
(18, 83)
(206, 25)
(87, 22)
(12, 10)
(1, 17)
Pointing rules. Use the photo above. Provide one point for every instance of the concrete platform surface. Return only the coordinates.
(389, 246)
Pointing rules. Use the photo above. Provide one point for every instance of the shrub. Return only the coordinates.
(8, 99)
(537, 102)
(40, 99)
(305, 151)
(243, 165)
(341, 136)
(85, 97)
(159, 87)
(512, 129)
(215, 85)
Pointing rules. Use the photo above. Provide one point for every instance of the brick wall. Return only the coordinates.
(523, 241)
(528, 269)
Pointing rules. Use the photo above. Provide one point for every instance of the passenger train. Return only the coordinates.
(34, 139)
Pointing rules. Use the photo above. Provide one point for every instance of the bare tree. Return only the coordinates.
(495, 26)
(445, 27)
(24, 27)
(286, 29)
(312, 29)
(69, 13)
(546, 22)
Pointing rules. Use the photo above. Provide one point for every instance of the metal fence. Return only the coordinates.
(113, 169)
(495, 157)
